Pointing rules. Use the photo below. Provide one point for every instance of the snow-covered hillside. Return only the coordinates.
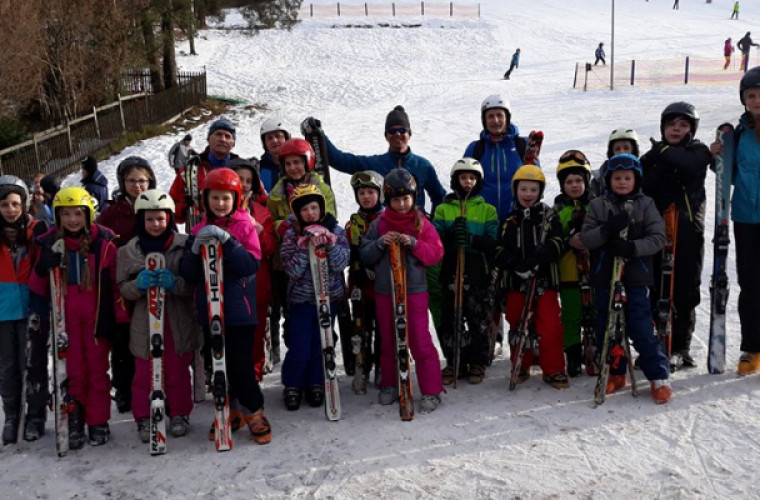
(484, 441)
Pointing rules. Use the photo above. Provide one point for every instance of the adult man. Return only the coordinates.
(514, 63)
(745, 44)
(94, 181)
(398, 132)
(273, 135)
(221, 140)
(599, 54)
(180, 152)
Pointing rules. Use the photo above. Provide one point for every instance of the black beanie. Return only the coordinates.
(397, 118)
(89, 164)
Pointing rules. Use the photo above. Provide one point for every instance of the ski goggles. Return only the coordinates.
(574, 155)
(623, 162)
(360, 179)
(397, 131)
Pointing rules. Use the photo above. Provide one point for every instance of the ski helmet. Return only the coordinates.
(573, 162)
(74, 196)
(494, 101)
(130, 163)
(297, 147)
(367, 179)
(222, 179)
(272, 124)
(302, 196)
(154, 199)
(529, 173)
(623, 161)
(399, 182)
(751, 79)
(12, 184)
(252, 166)
(680, 108)
(466, 165)
(623, 134)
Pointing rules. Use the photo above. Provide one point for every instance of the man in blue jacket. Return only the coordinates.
(94, 181)
(514, 63)
(398, 132)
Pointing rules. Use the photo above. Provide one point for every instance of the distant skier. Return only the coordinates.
(180, 152)
(735, 11)
(745, 44)
(675, 5)
(599, 53)
(514, 63)
(728, 49)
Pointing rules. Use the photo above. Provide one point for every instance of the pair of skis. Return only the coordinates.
(665, 312)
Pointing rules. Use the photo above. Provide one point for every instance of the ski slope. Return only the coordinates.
(483, 441)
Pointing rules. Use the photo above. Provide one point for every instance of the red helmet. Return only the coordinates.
(222, 179)
(298, 147)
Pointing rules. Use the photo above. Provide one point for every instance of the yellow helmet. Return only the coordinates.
(529, 173)
(74, 196)
(303, 195)
(573, 162)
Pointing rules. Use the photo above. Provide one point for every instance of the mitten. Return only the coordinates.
(327, 238)
(615, 223)
(303, 241)
(461, 236)
(146, 279)
(166, 279)
(211, 232)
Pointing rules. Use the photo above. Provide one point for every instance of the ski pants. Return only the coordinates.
(436, 296)
(639, 328)
(12, 364)
(177, 386)
(122, 360)
(572, 314)
(279, 307)
(243, 386)
(302, 366)
(475, 341)
(259, 356)
(427, 365)
(748, 271)
(548, 325)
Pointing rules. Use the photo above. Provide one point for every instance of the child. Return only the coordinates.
(674, 176)
(225, 220)
(621, 140)
(521, 252)
(302, 368)
(403, 222)
(18, 251)
(464, 221)
(571, 205)
(86, 253)
(156, 232)
(254, 200)
(368, 193)
(604, 221)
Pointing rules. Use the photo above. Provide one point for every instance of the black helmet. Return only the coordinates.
(399, 182)
(128, 164)
(680, 108)
(751, 79)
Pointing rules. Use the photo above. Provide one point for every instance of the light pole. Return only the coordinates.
(612, 49)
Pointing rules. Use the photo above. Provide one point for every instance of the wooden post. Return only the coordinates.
(68, 134)
(97, 125)
(36, 151)
(121, 113)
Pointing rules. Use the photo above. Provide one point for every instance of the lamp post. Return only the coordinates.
(612, 49)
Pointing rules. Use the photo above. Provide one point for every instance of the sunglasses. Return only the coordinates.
(573, 154)
(396, 131)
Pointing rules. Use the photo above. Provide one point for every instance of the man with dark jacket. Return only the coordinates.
(744, 45)
(94, 181)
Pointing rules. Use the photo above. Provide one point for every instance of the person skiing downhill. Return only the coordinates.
(514, 63)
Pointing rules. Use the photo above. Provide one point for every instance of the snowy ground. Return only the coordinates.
(484, 441)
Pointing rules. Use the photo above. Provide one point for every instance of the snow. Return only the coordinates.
(484, 441)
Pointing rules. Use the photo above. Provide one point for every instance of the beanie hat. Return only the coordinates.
(397, 118)
(89, 164)
(50, 184)
(189, 138)
(221, 124)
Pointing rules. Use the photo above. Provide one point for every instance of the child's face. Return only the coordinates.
(156, 222)
(221, 202)
(136, 181)
(468, 180)
(752, 101)
(622, 182)
(310, 212)
(367, 197)
(72, 218)
(402, 204)
(295, 168)
(528, 193)
(11, 208)
(622, 146)
(246, 179)
(675, 130)
(574, 186)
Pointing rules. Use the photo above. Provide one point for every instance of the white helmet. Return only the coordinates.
(12, 184)
(623, 134)
(466, 165)
(272, 124)
(494, 101)
(154, 199)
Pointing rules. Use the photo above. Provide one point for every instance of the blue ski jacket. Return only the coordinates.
(269, 171)
(745, 203)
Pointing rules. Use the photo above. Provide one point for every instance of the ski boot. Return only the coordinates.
(388, 395)
(123, 401)
(749, 362)
(315, 395)
(99, 434)
(261, 431)
(574, 355)
(661, 391)
(10, 429)
(557, 380)
(143, 430)
(292, 398)
(236, 422)
(476, 374)
(76, 426)
(34, 427)
(429, 403)
(448, 375)
(614, 382)
(179, 425)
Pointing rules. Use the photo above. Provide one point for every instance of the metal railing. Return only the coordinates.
(432, 10)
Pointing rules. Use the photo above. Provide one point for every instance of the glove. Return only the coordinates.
(315, 229)
(49, 259)
(212, 232)
(615, 223)
(166, 279)
(622, 248)
(189, 201)
(526, 269)
(146, 279)
(461, 237)
(327, 239)
(310, 125)
(303, 241)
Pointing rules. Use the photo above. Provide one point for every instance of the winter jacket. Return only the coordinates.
(279, 198)
(240, 261)
(119, 216)
(269, 171)
(110, 307)
(420, 168)
(426, 250)
(482, 226)
(676, 175)
(178, 305)
(515, 61)
(500, 161)
(97, 185)
(745, 44)
(269, 247)
(728, 48)
(358, 274)
(570, 213)
(178, 191)
(15, 273)
(745, 203)
(178, 155)
(646, 231)
(520, 242)
(295, 261)
(599, 52)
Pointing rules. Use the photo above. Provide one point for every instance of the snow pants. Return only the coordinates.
(243, 386)
(571, 314)
(640, 330)
(748, 271)
(12, 364)
(122, 360)
(475, 342)
(548, 325)
(87, 363)
(427, 365)
(302, 366)
(259, 356)
(177, 386)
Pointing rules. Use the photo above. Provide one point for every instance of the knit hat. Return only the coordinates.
(397, 118)
(189, 138)
(221, 124)
(89, 164)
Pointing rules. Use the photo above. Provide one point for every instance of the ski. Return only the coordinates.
(156, 301)
(664, 318)
(62, 400)
(588, 337)
(211, 253)
(459, 325)
(533, 148)
(193, 190)
(398, 296)
(268, 362)
(320, 272)
(318, 143)
(719, 286)
(359, 342)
